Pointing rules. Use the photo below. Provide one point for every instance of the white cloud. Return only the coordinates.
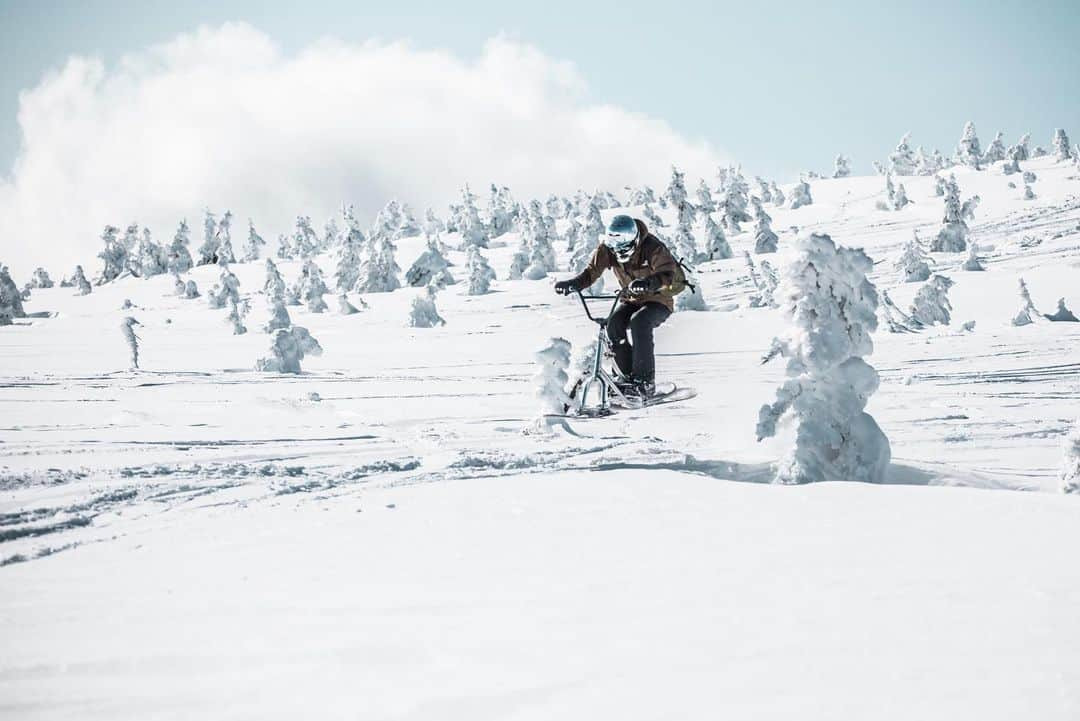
(222, 118)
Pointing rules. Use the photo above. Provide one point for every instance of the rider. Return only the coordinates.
(642, 265)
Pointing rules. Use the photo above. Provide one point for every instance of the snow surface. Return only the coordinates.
(375, 538)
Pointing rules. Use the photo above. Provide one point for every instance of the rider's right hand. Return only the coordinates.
(564, 287)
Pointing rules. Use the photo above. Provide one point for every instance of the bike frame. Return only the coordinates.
(597, 375)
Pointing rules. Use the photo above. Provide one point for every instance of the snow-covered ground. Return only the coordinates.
(376, 538)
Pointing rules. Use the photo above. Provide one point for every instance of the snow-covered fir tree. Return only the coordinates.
(691, 300)
(900, 199)
(931, 303)
(288, 347)
(311, 288)
(643, 195)
(841, 169)
(676, 189)
(912, 264)
(235, 318)
(345, 307)
(972, 262)
(924, 164)
(995, 151)
(832, 305)
(253, 247)
(968, 150)
(705, 202)
(227, 289)
(777, 195)
(1062, 314)
(427, 265)
(407, 227)
(153, 259)
(79, 282)
(208, 251)
(1028, 313)
(178, 254)
(423, 313)
(520, 260)
(572, 234)
(685, 247)
(593, 229)
(432, 224)
(332, 234)
(274, 286)
(952, 238)
(1029, 194)
(763, 189)
(800, 195)
(279, 316)
(1022, 149)
(40, 279)
(114, 255)
(11, 300)
(127, 329)
(473, 230)
(350, 253)
(1062, 148)
(379, 271)
(716, 244)
(499, 221)
(735, 199)
(765, 240)
(967, 208)
(130, 241)
(654, 220)
(765, 282)
(550, 381)
(902, 160)
(305, 241)
(541, 252)
(225, 253)
(191, 290)
(480, 273)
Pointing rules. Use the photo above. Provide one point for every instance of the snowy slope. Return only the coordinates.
(376, 538)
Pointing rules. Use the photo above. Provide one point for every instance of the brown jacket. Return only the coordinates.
(650, 258)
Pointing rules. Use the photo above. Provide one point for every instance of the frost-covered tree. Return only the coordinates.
(407, 227)
(676, 189)
(499, 220)
(900, 199)
(890, 194)
(1062, 149)
(968, 150)
(178, 254)
(253, 247)
(952, 238)
(332, 233)
(642, 196)
(130, 241)
(1029, 194)
(716, 244)
(732, 206)
(912, 264)
(995, 151)
(765, 283)
(127, 329)
(572, 234)
(423, 313)
(480, 273)
(594, 227)
(379, 271)
(432, 224)
(1028, 313)
(800, 195)
(345, 307)
(902, 160)
(841, 167)
(705, 202)
(235, 318)
(550, 380)
(763, 189)
(931, 304)
(654, 220)
(79, 281)
(430, 263)
(208, 251)
(153, 258)
(520, 260)
(279, 316)
(10, 298)
(305, 241)
(540, 230)
(972, 263)
(765, 240)
(778, 195)
(832, 305)
(311, 288)
(924, 164)
(685, 246)
(225, 253)
(274, 286)
(350, 253)
(288, 346)
(1022, 149)
(227, 289)
(1062, 314)
(473, 230)
(41, 279)
(114, 255)
(1070, 462)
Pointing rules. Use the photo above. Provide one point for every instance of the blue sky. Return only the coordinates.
(781, 86)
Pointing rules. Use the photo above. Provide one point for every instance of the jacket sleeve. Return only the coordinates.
(598, 263)
(663, 263)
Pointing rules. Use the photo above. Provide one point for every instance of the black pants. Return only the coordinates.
(637, 360)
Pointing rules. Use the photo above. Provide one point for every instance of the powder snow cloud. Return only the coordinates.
(222, 118)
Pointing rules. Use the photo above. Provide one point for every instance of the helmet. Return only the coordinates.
(621, 237)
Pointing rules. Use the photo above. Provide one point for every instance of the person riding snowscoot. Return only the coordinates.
(643, 266)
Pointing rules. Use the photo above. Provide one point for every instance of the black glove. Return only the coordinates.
(565, 287)
(644, 286)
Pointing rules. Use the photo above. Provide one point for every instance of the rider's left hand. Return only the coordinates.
(642, 286)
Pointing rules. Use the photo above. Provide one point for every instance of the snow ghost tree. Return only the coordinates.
(842, 169)
(114, 255)
(833, 307)
(912, 263)
(235, 318)
(736, 198)
(432, 224)
(716, 244)
(952, 238)
(1029, 194)
(225, 253)
(305, 242)
(209, 249)
(127, 329)
(685, 247)
(130, 241)
(931, 304)
(279, 315)
(423, 313)
(900, 199)
(407, 225)
(480, 273)
(763, 188)
(288, 346)
(972, 263)
(41, 279)
(995, 151)
(800, 195)
(676, 190)
(473, 231)
(692, 301)
(153, 259)
(705, 203)
(550, 380)
(655, 221)
(379, 271)
(10, 298)
(79, 281)
(968, 151)
(228, 289)
(765, 239)
(310, 287)
(430, 262)
(274, 287)
(332, 234)
(253, 247)
(350, 254)
(594, 227)
(499, 221)
(1070, 465)
(345, 307)
(924, 164)
(1027, 314)
(520, 260)
(902, 160)
(1062, 314)
(179, 256)
(764, 283)
(1062, 149)
(572, 235)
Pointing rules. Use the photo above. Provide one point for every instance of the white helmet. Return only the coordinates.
(622, 237)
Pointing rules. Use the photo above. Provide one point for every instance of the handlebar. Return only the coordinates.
(615, 302)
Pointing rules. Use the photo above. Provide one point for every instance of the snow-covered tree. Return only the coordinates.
(705, 202)
(765, 240)
(350, 253)
(127, 329)
(594, 228)
(777, 195)
(1027, 314)
(332, 234)
(642, 196)
(520, 260)
(311, 288)
(114, 255)
(279, 316)
(1022, 149)
(10, 298)
(902, 160)
(1062, 149)
(274, 286)
(41, 279)
(952, 238)
(800, 195)
(208, 251)
(379, 271)
(288, 346)
(225, 253)
(654, 220)
(676, 189)
(972, 263)
(480, 273)
(345, 307)
(473, 230)
(178, 254)
(228, 288)
(931, 304)
(685, 247)
(305, 242)
(995, 151)
(763, 189)
(732, 206)
(540, 230)
(550, 380)
(968, 150)
(153, 258)
(253, 248)
(432, 224)
(716, 244)
(235, 318)
(1070, 462)
(423, 313)
(1029, 194)
(841, 168)
(79, 281)
(832, 304)
(1062, 314)
(130, 241)
(765, 283)
(912, 263)
(407, 227)
(924, 164)
(900, 199)
(430, 262)
(572, 234)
